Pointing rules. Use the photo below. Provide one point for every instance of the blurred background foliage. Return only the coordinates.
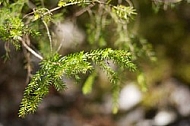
(168, 32)
(163, 26)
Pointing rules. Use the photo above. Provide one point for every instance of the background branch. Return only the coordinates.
(30, 50)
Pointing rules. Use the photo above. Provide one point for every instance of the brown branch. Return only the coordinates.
(30, 49)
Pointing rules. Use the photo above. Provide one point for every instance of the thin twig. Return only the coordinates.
(42, 3)
(28, 59)
(57, 8)
(54, 9)
(49, 36)
(130, 3)
(30, 50)
(78, 13)
(59, 47)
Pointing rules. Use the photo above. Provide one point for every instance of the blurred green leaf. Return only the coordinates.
(142, 82)
(87, 87)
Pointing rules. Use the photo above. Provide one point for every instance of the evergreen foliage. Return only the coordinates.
(54, 67)
(17, 25)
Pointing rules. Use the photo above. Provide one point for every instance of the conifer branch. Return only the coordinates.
(56, 66)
